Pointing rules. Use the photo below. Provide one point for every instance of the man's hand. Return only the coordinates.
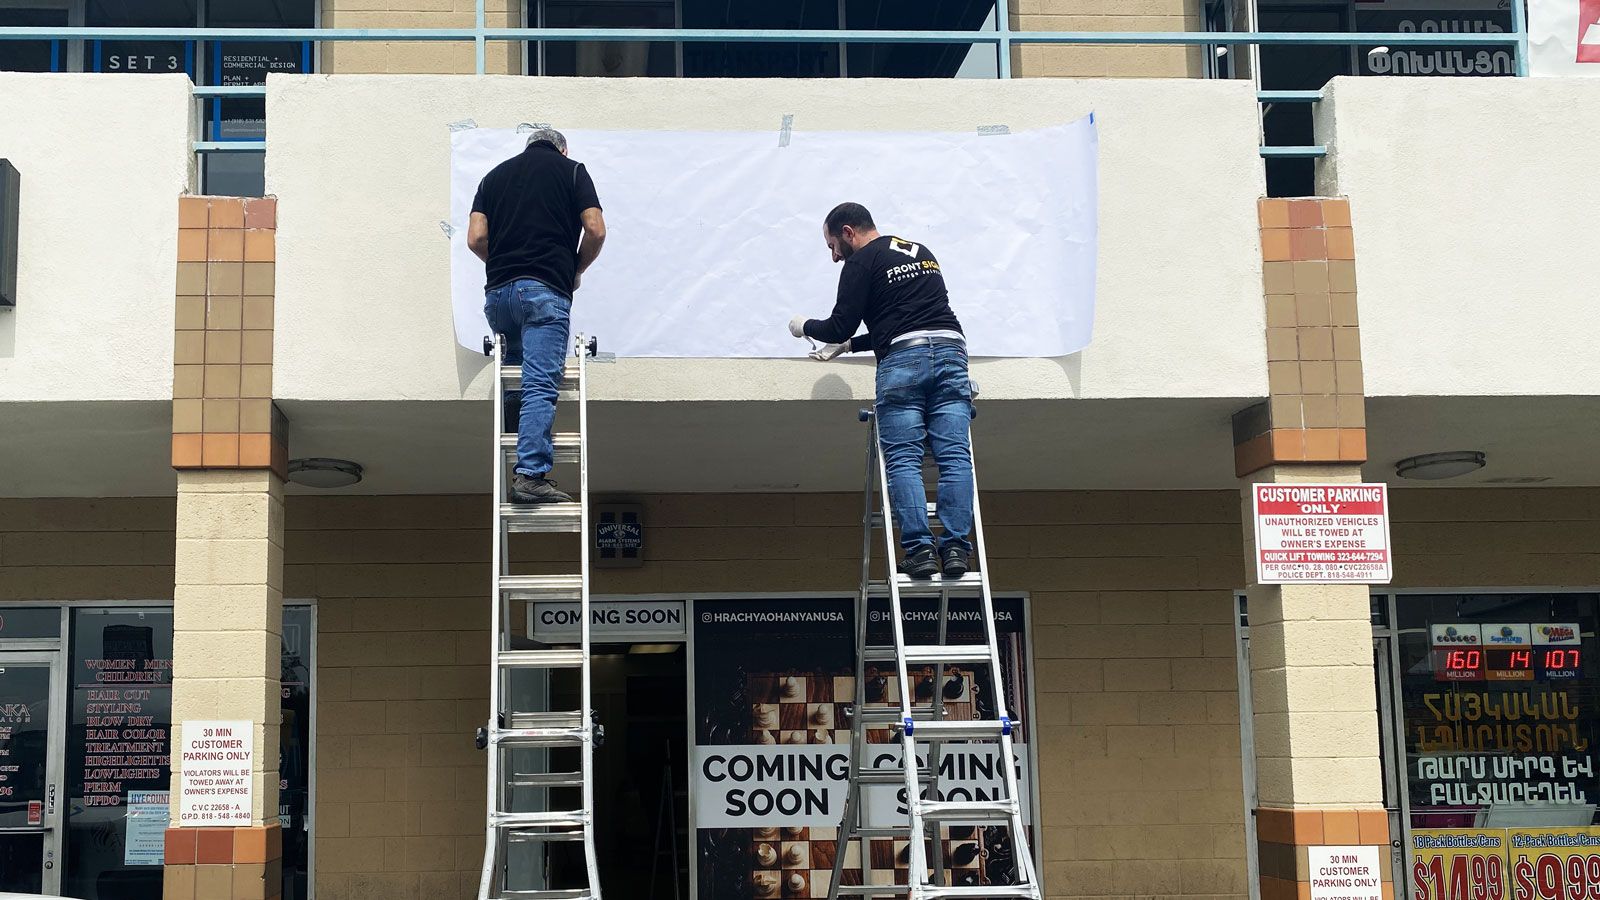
(797, 326)
(829, 351)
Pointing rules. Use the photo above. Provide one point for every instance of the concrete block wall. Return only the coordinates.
(1140, 776)
(428, 57)
(1130, 61)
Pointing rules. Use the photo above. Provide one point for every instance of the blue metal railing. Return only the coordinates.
(1002, 37)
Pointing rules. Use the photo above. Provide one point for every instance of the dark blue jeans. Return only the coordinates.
(925, 395)
(536, 323)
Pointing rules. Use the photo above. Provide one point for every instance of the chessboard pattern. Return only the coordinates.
(797, 862)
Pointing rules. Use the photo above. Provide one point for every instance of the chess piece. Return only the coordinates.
(820, 736)
(765, 737)
(877, 689)
(765, 855)
(794, 737)
(794, 831)
(766, 884)
(790, 688)
(766, 716)
(964, 854)
(796, 883)
(924, 691)
(954, 687)
(820, 717)
(791, 857)
(767, 833)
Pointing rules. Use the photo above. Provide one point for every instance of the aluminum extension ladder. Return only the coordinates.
(519, 739)
(923, 725)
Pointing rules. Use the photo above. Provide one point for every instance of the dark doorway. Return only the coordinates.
(640, 774)
(1297, 68)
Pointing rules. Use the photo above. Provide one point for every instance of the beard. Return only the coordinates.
(845, 250)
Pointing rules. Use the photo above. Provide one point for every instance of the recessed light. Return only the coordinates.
(323, 472)
(1437, 466)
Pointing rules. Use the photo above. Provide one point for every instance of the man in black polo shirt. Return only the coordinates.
(895, 286)
(526, 223)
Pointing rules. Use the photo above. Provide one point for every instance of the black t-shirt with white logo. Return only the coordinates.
(893, 285)
(534, 202)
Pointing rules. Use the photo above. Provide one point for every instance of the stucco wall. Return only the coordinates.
(360, 163)
(103, 159)
(1474, 207)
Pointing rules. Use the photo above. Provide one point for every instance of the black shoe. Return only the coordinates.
(920, 563)
(531, 489)
(955, 562)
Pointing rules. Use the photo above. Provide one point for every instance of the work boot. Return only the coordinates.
(533, 489)
(920, 563)
(955, 562)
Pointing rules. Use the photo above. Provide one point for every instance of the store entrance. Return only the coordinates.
(640, 773)
(31, 728)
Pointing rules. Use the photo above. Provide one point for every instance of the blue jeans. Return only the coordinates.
(924, 394)
(536, 323)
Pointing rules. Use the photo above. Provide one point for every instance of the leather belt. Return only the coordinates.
(923, 342)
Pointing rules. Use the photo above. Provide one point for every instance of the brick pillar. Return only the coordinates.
(230, 450)
(1319, 773)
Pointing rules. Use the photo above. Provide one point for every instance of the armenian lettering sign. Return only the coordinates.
(1322, 533)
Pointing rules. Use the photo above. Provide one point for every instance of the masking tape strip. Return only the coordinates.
(786, 130)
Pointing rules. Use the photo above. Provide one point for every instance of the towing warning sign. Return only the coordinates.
(1322, 533)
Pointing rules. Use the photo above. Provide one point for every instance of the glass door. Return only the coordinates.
(1393, 772)
(31, 734)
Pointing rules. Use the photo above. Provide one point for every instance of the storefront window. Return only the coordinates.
(118, 746)
(1499, 709)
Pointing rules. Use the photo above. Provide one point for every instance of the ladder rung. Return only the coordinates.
(529, 837)
(983, 890)
(562, 658)
(890, 715)
(883, 831)
(536, 737)
(541, 517)
(889, 776)
(928, 654)
(541, 587)
(969, 585)
(977, 810)
(511, 377)
(546, 780)
(558, 719)
(560, 818)
(958, 730)
(566, 443)
(874, 890)
(556, 894)
(933, 513)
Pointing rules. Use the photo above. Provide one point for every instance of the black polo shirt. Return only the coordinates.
(534, 202)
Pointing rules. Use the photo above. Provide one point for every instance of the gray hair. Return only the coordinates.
(549, 135)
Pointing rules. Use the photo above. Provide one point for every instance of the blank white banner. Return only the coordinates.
(715, 238)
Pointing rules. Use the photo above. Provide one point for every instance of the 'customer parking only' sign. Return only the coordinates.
(1322, 533)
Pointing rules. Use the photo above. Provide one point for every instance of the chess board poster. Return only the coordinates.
(774, 684)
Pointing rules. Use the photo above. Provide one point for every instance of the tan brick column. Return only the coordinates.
(1106, 61)
(230, 450)
(1319, 775)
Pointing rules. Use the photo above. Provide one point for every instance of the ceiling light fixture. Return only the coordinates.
(323, 472)
(1437, 466)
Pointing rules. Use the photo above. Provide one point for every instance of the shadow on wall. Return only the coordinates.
(8, 334)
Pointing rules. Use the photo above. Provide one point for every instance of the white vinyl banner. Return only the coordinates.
(715, 238)
(1564, 37)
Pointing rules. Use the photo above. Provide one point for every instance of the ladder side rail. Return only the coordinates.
(1026, 870)
(853, 811)
(908, 744)
(586, 720)
(498, 566)
(935, 748)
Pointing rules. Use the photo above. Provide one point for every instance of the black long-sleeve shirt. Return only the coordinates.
(893, 285)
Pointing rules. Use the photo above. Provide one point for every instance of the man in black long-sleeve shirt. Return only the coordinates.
(896, 288)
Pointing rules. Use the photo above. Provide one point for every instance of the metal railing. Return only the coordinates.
(1003, 37)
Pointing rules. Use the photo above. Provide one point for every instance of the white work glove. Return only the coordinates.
(797, 326)
(829, 351)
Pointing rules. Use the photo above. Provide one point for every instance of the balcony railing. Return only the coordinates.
(1003, 37)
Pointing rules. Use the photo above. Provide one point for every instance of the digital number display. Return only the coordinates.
(1506, 652)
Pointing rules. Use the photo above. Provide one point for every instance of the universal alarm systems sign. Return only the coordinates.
(1328, 533)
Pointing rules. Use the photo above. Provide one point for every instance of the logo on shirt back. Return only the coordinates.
(906, 247)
